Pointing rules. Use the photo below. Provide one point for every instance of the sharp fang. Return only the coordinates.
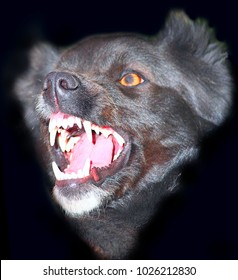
(52, 125)
(95, 128)
(115, 157)
(118, 153)
(53, 135)
(119, 139)
(87, 127)
(58, 174)
(79, 122)
(86, 168)
(62, 142)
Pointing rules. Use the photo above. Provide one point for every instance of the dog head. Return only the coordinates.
(116, 114)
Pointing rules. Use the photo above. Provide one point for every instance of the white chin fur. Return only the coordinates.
(82, 205)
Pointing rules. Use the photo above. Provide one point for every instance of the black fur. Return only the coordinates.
(185, 94)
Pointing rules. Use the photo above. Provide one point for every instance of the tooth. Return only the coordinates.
(65, 134)
(75, 139)
(119, 139)
(115, 157)
(87, 127)
(106, 132)
(62, 142)
(68, 176)
(53, 135)
(72, 141)
(64, 123)
(69, 145)
(58, 122)
(52, 124)
(58, 174)
(118, 153)
(73, 176)
(79, 122)
(96, 129)
(86, 168)
(71, 121)
(80, 174)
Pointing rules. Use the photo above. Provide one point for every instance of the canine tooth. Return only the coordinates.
(119, 139)
(87, 127)
(105, 132)
(96, 129)
(58, 174)
(86, 168)
(52, 125)
(79, 122)
(116, 156)
(53, 135)
(118, 153)
(62, 142)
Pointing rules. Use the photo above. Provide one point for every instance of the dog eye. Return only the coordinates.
(131, 80)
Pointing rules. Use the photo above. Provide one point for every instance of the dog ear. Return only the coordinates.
(200, 62)
(41, 60)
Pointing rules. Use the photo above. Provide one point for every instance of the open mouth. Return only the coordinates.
(84, 151)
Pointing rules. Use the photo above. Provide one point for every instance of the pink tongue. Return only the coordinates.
(100, 153)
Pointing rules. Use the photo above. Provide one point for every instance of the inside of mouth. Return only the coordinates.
(84, 145)
(100, 152)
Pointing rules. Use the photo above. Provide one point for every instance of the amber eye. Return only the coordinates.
(131, 80)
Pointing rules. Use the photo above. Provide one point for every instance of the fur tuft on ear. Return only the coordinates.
(42, 58)
(194, 37)
(200, 63)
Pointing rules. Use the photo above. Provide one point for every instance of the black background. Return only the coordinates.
(199, 222)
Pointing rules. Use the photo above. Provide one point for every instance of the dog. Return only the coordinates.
(116, 117)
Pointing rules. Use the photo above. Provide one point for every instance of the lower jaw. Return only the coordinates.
(79, 201)
(98, 175)
(95, 177)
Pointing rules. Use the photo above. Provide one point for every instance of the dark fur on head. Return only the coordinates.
(185, 93)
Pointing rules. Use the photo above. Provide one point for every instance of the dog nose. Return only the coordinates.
(60, 83)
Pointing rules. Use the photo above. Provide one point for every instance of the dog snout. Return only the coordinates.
(61, 83)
